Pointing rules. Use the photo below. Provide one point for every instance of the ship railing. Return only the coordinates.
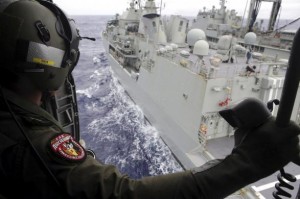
(227, 70)
(266, 69)
(199, 67)
(266, 66)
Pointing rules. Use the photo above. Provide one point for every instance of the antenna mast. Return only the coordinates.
(160, 7)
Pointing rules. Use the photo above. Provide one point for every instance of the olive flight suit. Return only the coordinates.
(82, 178)
(22, 174)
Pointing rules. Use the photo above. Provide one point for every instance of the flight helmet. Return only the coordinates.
(37, 41)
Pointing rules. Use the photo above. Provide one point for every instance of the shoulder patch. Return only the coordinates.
(66, 147)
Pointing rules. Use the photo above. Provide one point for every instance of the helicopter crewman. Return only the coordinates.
(38, 50)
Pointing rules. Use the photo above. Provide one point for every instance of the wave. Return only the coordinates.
(116, 129)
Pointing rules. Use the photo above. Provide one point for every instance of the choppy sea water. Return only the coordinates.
(110, 123)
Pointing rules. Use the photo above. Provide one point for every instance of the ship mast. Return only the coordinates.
(222, 4)
(274, 14)
(136, 3)
(150, 6)
(160, 6)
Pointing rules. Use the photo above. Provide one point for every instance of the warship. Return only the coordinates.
(218, 22)
(183, 75)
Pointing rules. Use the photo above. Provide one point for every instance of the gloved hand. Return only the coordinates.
(268, 147)
(258, 153)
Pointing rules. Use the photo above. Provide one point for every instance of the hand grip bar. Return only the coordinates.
(291, 84)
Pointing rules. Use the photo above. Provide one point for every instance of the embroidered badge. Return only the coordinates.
(65, 146)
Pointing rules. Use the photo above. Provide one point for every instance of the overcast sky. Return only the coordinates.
(290, 8)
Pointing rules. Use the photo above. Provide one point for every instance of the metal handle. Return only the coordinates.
(291, 84)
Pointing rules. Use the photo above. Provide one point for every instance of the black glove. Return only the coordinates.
(269, 147)
(257, 154)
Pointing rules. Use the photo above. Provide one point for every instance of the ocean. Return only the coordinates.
(110, 123)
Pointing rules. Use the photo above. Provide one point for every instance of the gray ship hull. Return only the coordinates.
(169, 130)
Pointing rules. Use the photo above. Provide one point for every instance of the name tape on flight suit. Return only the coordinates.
(65, 146)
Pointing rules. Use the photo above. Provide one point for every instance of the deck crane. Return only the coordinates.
(254, 9)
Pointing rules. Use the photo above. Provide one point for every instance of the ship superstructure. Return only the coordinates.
(220, 21)
(182, 86)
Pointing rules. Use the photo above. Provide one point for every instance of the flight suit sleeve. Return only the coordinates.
(94, 180)
(260, 154)
(88, 178)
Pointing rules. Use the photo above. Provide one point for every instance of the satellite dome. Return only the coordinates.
(201, 48)
(224, 42)
(195, 35)
(250, 38)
